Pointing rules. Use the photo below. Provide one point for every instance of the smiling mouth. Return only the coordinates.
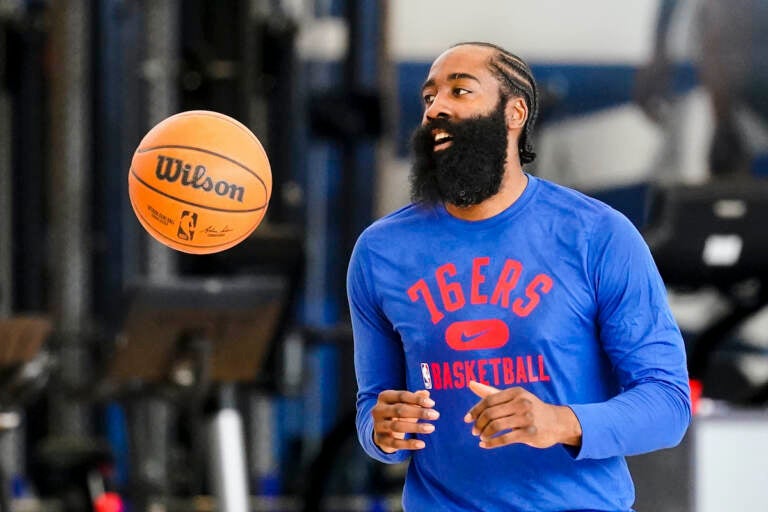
(442, 140)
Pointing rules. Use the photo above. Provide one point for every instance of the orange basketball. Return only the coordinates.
(200, 182)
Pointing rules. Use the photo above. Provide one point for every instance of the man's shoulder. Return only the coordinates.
(407, 218)
(577, 204)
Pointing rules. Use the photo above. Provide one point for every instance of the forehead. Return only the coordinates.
(467, 59)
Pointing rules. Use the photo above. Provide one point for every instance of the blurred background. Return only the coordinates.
(137, 378)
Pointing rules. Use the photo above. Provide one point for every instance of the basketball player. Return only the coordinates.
(512, 337)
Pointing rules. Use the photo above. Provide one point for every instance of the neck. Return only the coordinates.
(512, 186)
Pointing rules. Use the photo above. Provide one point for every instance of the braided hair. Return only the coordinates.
(516, 79)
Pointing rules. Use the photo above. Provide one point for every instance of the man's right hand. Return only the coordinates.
(396, 414)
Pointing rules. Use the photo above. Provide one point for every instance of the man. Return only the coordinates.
(512, 337)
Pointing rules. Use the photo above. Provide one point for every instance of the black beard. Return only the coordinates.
(467, 172)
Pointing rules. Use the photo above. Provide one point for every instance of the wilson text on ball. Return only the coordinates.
(172, 169)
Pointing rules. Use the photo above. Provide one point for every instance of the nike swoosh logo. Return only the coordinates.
(466, 337)
(477, 334)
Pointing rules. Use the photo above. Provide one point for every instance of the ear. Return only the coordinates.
(516, 113)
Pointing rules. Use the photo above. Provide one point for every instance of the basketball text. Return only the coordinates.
(493, 371)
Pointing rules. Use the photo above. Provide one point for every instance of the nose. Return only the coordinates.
(438, 109)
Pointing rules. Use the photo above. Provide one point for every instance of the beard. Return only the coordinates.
(470, 169)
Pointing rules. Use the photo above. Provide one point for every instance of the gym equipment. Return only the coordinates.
(712, 235)
(24, 371)
(200, 336)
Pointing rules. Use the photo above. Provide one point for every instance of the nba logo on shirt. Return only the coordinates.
(426, 376)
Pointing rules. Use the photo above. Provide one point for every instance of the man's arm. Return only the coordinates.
(644, 344)
(387, 415)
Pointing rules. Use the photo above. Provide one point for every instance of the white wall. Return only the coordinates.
(614, 31)
(731, 462)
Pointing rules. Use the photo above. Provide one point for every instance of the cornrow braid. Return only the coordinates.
(516, 79)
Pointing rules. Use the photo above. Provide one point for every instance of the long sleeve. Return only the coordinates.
(379, 357)
(644, 344)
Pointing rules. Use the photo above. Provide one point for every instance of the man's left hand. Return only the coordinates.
(516, 415)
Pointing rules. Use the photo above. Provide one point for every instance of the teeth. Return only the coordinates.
(441, 136)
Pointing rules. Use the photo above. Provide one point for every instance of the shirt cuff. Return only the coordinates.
(588, 417)
(388, 458)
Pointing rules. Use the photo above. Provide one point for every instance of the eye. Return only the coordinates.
(460, 91)
(428, 99)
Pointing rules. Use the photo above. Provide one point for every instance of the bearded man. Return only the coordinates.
(512, 336)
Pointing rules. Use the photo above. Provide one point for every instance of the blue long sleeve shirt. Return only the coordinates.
(558, 294)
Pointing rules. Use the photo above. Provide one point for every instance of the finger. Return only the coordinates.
(492, 414)
(482, 390)
(519, 405)
(494, 399)
(408, 444)
(407, 427)
(505, 424)
(515, 436)
(420, 397)
(401, 410)
(425, 400)
(399, 444)
(400, 426)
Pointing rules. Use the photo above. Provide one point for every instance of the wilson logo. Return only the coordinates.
(477, 334)
(174, 170)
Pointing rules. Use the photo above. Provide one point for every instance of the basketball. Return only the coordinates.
(200, 182)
